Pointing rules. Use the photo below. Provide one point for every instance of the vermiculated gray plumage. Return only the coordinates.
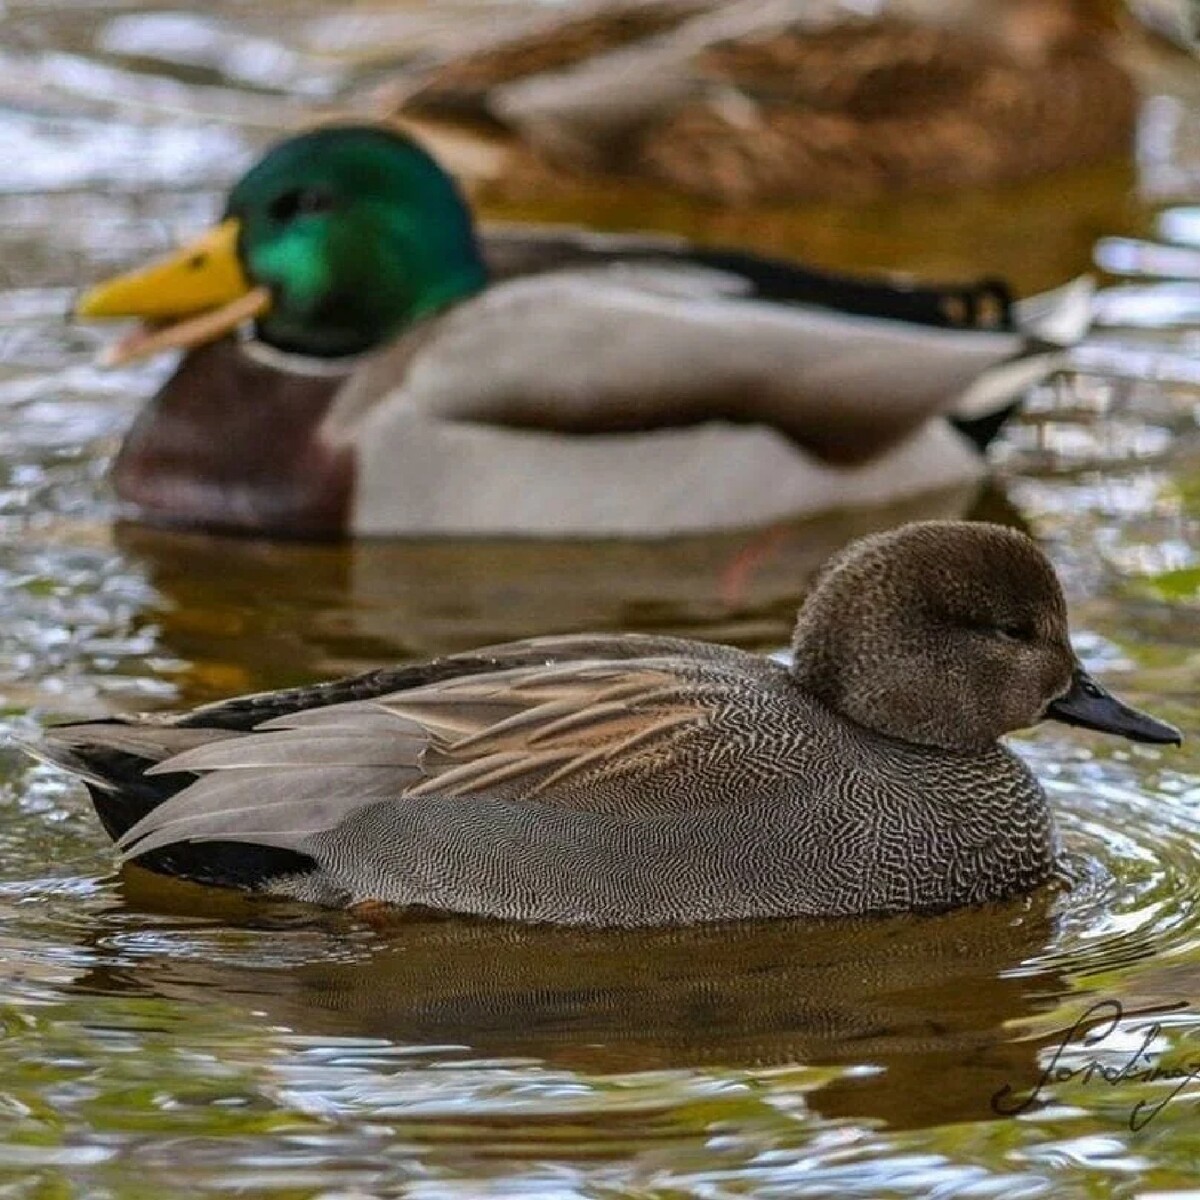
(631, 780)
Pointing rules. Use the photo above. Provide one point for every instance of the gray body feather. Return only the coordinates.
(650, 397)
(602, 781)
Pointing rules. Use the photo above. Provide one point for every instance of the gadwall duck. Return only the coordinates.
(404, 376)
(765, 100)
(639, 780)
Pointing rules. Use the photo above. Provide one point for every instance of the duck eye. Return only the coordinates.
(1015, 632)
(299, 202)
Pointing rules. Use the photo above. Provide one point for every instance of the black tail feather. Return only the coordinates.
(982, 431)
(122, 794)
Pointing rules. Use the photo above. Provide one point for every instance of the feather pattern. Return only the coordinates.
(524, 728)
(640, 780)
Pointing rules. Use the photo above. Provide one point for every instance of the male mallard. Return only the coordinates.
(405, 377)
(642, 780)
(794, 100)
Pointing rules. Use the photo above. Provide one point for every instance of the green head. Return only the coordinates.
(357, 232)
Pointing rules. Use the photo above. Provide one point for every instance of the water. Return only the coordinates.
(161, 1040)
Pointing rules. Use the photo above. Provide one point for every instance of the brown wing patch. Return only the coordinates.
(544, 724)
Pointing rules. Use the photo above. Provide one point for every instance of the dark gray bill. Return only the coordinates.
(1088, 705)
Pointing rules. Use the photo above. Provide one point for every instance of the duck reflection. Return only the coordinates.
(246, 614)
(926, 1005)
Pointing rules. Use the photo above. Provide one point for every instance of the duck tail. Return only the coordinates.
(1060, 318)
(1051, 324)
(111, 757)
(983, 430)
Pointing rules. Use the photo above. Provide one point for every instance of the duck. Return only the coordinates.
(361, 361)
(639, 780)
(766, 101)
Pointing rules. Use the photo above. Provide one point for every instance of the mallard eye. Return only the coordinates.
(299, 202)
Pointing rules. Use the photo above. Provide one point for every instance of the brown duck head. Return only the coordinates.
(951, 634)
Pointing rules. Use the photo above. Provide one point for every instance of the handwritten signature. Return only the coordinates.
(1091, 1029)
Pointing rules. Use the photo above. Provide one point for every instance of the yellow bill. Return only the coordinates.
(193, 296)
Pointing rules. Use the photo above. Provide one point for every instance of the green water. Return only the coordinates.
(163, 1040)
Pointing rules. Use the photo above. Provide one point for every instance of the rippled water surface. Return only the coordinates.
(163, 1040)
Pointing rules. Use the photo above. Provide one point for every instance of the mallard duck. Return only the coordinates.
(786, 99)
(644, 780)
(360, 362)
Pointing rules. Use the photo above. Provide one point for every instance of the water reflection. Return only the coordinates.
(921, 1006)
(250, 614)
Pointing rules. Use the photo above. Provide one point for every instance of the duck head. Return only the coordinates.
(951, 634)
(332, 243)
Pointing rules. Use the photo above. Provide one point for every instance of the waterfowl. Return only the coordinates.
(404, 376)
(766, 100)
(641, 780)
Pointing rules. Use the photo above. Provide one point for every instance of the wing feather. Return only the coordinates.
(652, 350)
(267, 806)
(522, 732)
(607, 752)
(337, 747)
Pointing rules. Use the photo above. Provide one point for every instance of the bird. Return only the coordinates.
(761, 101)
(361, 362)
(638, 780)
